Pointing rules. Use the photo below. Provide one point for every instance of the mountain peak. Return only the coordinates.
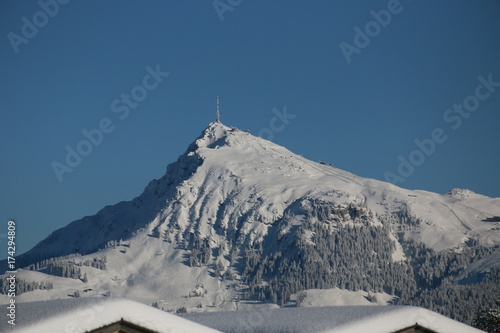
(213, 135)
(217, 135)
(238, 214)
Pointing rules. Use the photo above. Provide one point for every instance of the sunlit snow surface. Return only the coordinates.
(83, 315)
(338, 319)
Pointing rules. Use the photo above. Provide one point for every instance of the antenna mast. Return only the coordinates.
(217, 119)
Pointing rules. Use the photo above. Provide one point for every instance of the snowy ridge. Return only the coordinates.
(227, 174)
(184, 242)
(238, 167)
(460, 193)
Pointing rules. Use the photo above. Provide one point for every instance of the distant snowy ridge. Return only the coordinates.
(460, 193)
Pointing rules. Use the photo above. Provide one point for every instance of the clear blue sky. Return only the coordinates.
(360, 116)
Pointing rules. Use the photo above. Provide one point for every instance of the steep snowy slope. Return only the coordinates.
(233, 207)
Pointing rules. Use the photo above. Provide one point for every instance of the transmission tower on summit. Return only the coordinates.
(217, 114)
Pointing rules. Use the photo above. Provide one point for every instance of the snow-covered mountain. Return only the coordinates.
(237, 220)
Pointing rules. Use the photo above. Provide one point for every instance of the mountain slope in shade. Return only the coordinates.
(237, 217)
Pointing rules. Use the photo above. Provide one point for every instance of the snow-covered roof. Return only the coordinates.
(337, 319)
(87, 314)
